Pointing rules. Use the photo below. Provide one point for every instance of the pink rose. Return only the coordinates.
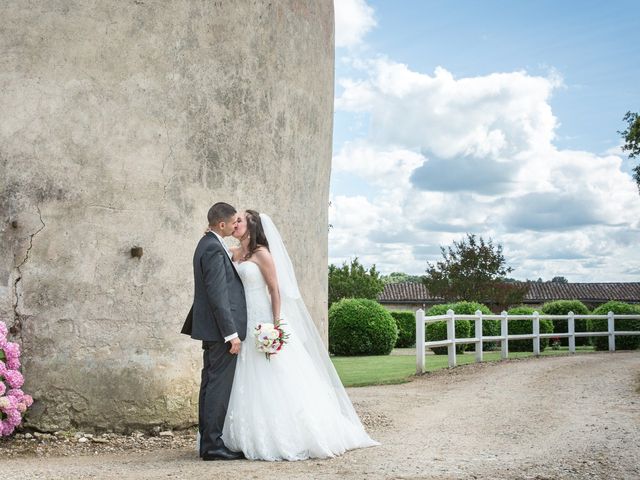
(3, 368)
(28, 400)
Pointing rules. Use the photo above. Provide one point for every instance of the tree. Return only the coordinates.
(559, 280)
(631, 137)
(473, 270)
(354, 281)
(400, 277)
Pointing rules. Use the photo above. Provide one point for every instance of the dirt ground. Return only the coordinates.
(539, 418)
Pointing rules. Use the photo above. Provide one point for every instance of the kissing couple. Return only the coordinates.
(289, 406)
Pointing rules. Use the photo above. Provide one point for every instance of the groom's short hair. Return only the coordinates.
(220, 212)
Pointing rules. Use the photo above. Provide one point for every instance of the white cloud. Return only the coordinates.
(491, 116)
(448, 156)
(354, 18)
(388, 168)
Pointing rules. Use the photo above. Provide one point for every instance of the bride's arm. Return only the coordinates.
(263, 258)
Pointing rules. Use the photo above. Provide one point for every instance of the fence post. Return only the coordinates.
(478, 322)
(504, 332)
(536, 332)
(571, 329)
(612, 335)
(451, 335)
(420, 330)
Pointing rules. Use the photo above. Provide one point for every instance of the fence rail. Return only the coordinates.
(478, 339)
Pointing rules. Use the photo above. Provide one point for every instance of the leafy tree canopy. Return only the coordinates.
(473, 269)
(400, 277)
(631, 137)
(353, 280)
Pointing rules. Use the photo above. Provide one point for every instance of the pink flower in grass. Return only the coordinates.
(14, 378)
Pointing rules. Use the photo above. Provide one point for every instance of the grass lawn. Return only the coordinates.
(390, 369)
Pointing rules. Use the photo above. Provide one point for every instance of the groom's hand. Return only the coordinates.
(235, 346)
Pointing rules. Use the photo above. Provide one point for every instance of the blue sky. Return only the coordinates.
(497, 118)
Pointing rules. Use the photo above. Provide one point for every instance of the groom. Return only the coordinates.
(218, 317)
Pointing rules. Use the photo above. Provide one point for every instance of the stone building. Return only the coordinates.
(122, 122)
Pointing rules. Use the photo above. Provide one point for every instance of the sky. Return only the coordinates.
(494, 118)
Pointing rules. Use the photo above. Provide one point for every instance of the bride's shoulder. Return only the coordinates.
(262, 253)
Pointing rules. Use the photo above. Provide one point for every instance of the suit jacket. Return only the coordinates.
(219, 307)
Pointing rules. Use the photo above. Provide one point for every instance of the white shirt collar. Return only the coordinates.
(224, 245)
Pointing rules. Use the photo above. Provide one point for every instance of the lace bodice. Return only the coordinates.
(250, 275)
(255, 291)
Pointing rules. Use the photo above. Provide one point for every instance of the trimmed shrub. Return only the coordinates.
(358, 326)
(489, 327)
(438, 330)
(406, 323)
(631, 342)
(523, 327)
(563, 307)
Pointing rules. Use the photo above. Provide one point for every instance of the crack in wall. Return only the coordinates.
(16, 328)
(171, 156)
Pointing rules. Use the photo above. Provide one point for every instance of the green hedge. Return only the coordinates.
(631, 342)
(464, 328)
(522, 327)
(406, 323)
(563, 307)
(359, 326)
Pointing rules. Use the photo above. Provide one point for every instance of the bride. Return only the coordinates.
(293, 406)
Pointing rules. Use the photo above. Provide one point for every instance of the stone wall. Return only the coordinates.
(122, 122)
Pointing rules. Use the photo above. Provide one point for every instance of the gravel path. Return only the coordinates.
(540, 418)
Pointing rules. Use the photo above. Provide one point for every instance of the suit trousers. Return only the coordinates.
(218, 370)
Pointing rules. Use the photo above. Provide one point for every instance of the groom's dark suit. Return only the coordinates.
(219, 310)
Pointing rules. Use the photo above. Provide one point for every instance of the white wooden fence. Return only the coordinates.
(478, 339)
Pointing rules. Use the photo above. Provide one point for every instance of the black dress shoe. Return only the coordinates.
(221, 453)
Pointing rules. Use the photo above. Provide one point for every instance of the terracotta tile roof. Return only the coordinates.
(538, 292)
(595, 292)
(405, 292)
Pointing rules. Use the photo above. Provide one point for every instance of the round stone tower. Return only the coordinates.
(122, 123)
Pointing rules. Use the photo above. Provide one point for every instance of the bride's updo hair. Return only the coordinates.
(257, 238)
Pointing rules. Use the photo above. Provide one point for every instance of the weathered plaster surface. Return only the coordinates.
(121, 122)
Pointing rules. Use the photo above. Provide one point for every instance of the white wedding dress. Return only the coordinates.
(293, 406)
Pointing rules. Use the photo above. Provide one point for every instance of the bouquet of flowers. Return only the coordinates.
(13, 401)
(270, 338)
